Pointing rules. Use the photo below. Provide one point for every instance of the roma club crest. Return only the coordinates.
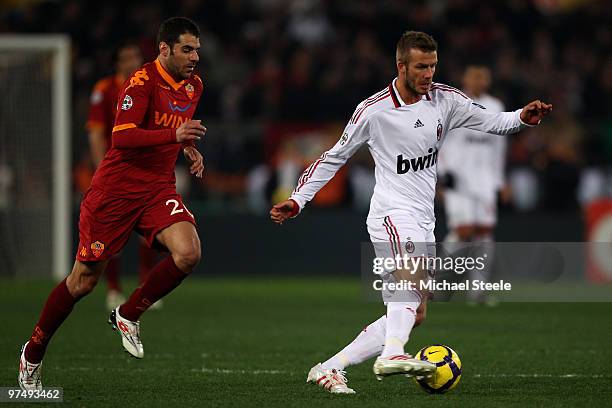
(97, 248)
(190, 91)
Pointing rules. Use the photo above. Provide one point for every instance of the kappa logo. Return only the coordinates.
(138, 78)
(83, 252)
(418, 124)
(97, 248)
(127, 103)
(39, 336)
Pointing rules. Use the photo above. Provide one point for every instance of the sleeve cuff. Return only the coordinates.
(296, 210)
(518, 113)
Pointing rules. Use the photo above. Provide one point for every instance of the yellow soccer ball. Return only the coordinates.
(448, 371)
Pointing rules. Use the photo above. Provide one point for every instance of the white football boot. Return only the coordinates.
(130, 333)
(330, 380)
(30, 376)
(402, 364)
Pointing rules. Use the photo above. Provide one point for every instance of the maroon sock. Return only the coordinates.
(162, 280)
(57, 308)
(112, 274)
(146, 261)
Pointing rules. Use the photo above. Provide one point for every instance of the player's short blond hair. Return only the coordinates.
(414, 39)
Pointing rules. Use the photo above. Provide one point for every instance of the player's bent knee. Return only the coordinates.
(84, 278)
(187, 258)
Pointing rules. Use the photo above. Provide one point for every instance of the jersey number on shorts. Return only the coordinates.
(176, 208)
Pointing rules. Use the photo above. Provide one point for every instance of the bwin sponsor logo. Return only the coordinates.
(416, 164)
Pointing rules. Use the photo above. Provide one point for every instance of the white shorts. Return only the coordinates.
(397, 235)
(462, 209)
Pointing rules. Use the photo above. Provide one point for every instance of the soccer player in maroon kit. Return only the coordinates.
(134, 189)
(100, 121)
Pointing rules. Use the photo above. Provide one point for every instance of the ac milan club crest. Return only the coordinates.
(97, 248)
(439, 130)
(409, 246)
(190, 91)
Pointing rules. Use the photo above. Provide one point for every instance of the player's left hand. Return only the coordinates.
(284, 210)
(195, 159)
(535, 111)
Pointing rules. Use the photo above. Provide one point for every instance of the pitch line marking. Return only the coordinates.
(231, 371)
(541, 376)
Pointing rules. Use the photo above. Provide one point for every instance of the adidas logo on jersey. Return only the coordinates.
(418, 163)
(418, 124)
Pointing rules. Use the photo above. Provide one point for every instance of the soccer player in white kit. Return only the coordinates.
(404, 126)
(471, 171)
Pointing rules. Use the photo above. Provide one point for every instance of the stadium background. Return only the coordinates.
(281, 78)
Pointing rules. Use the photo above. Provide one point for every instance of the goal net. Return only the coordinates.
(35, 181)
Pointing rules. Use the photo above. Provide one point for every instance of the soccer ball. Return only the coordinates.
(448, 371)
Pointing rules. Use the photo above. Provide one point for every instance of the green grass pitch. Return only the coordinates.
(250, 342)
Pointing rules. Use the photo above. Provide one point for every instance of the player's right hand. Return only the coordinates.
(190, 130)
(284, 210)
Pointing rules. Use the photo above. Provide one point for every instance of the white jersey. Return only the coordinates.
(404, 141)
(475, 159)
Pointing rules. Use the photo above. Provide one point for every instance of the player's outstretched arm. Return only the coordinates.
(464, 113)
(534, 112)
(284, 210)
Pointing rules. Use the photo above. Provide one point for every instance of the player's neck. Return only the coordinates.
(409, 97)
(164, 65)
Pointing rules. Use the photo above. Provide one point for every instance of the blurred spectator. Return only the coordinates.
(273, 61)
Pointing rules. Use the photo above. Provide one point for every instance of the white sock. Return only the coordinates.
(368, 343)
(400, 320)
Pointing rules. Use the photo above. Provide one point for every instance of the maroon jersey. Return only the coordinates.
(103, 105)
(142, 158)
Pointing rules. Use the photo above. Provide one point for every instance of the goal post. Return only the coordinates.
(23, 55)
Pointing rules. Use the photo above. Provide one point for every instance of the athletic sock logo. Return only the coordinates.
(418, 124)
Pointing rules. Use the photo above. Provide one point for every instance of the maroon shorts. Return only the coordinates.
(106, 222)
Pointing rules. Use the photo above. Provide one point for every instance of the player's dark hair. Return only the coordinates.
(414, 39)
(171, 29)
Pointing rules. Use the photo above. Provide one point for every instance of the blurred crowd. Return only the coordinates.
(308, 63)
